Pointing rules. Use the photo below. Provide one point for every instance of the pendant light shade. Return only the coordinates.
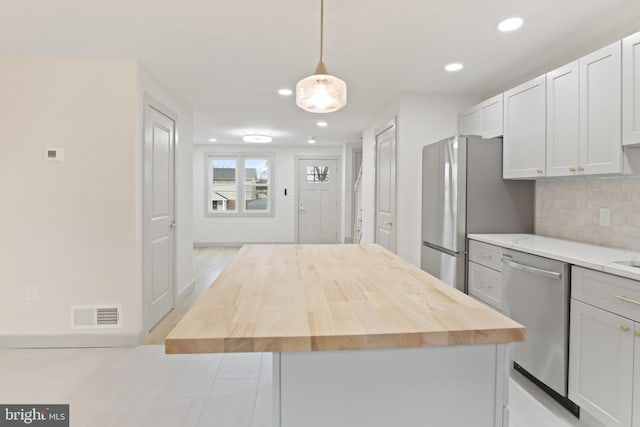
(321, 92)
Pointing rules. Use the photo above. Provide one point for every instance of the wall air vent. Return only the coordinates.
(92, 317)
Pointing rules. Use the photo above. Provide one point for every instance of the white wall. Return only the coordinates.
(149, 84)
(277, 229)
(70, 229)
(421, 120)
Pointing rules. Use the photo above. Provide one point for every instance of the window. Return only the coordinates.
(239, 185)
(317, 173)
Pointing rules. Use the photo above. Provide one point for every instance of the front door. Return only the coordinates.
(386, 187)
(318, 201)
(159, 220)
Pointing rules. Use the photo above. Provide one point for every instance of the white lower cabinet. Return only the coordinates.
(601, 364)
(485, 273)
(604, 347)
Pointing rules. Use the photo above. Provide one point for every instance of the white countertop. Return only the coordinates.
(582, 254)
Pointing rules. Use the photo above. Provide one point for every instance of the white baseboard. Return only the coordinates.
(236, 244)
(73, 340)
(188, 290)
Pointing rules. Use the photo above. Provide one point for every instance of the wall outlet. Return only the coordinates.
(31, 293)
(605, 217)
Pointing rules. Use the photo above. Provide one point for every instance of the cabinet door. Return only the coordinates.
(631, 90)
(563, 120)
(470, 121)
(601, 364)
(524, 130)
(600, 111)
(491, 116)
(485, 284)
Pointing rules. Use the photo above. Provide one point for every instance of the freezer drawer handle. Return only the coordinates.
(533, 270)
(623, 298)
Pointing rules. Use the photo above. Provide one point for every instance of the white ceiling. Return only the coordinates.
(227, 58)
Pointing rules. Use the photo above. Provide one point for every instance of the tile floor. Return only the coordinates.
(142, 386)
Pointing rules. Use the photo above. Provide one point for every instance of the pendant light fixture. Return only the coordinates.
(321, 92)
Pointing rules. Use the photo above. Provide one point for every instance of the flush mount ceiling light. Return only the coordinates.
(510, 24)
(212, 140)
(312, 140)
(258, 138)
(456, 66)
(322, 124)
(321, 92)
(285, 92)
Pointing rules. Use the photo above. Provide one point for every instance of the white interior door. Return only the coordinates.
(318, 201)
(386, 187)
(159, 222)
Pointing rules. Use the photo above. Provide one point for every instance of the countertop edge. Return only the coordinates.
(503, 335)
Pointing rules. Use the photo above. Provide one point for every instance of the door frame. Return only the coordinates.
(339, 186)
(149, 101)
(392, 123)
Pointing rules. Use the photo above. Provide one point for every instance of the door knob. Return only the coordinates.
(302, 208)
(172, 225)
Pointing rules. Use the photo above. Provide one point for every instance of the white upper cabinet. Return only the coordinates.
(600, 110)
(484, 119)
(470, 121)
(491, 116)
(525, 130)
(563, 120)
(631, 90)
(583, 115)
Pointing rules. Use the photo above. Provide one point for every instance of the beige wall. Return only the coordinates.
(569, 208)
(69, 228)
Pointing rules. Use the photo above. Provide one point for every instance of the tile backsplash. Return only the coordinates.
(569, 208)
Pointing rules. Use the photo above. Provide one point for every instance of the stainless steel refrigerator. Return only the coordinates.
(462, 193)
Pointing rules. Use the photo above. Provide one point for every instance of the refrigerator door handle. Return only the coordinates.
(441, 249)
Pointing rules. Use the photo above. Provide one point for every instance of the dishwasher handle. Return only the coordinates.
(532, 270)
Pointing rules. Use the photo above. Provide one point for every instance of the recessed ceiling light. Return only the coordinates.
(285, 92)
(510, 24)
(456, 66)
(212, 140)
(312, 140)
(322, 124)
(258, 138)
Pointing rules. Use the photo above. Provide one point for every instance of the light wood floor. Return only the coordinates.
(208, 263)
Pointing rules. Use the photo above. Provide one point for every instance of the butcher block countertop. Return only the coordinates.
(281, 298)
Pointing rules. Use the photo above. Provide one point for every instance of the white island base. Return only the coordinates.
(450, 386)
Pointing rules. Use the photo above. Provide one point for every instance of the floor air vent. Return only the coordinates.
(96, 317)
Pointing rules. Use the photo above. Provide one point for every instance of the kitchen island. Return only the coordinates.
(360, 338)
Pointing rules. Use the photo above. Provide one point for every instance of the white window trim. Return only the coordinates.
(240, 186)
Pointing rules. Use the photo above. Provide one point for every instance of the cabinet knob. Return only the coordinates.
(637, 334)
(580, 169)
(539, 171)
(624, 328)
(572, 169)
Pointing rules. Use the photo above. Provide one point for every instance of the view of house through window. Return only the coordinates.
(239, 185)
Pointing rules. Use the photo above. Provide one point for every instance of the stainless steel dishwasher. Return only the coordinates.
(536, 294)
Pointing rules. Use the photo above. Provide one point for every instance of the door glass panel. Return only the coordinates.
(224, 185)
(318, 174)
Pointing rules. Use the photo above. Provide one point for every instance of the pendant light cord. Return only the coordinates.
(321, 29)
